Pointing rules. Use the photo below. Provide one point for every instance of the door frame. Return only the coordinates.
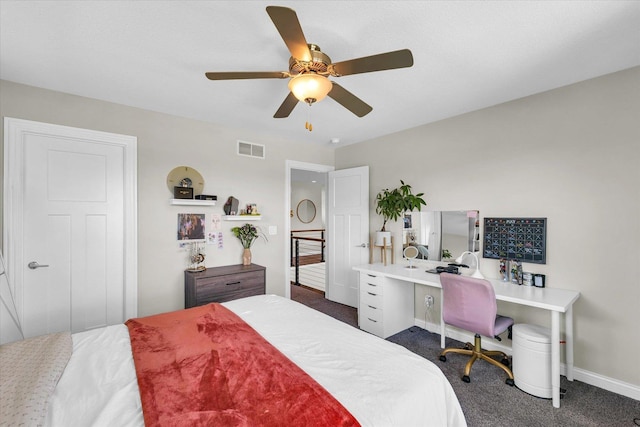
(293, 164)
(14, 191)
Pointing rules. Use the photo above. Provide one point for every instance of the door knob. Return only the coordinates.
(364, 245)
(33, 265)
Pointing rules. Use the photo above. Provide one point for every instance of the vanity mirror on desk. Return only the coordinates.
(435, 233)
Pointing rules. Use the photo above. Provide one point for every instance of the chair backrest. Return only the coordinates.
(469, 303)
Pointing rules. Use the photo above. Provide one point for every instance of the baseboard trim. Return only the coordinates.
(610, 384)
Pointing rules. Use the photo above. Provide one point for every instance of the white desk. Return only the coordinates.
(555, 300)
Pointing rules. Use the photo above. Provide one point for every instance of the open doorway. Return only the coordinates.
(306, 226)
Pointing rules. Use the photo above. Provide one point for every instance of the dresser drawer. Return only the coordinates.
(224, 288)
(221, 284)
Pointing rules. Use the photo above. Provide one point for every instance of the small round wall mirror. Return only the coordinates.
(306, 211)
(410, 253)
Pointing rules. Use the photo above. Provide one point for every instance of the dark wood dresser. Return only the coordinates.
(220, 284)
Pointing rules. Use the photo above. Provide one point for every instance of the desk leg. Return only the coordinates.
(555, 358)
(568, 328)
(442, 327)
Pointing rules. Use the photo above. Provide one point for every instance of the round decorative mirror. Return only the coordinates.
(410, 253)
(306, 211)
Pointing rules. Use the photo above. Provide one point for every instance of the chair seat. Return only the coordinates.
(502, 324)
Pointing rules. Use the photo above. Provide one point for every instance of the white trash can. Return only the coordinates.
(531, 360)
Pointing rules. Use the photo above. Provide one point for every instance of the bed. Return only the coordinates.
(379, 383)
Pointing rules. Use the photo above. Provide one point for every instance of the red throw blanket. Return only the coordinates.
(205, 366)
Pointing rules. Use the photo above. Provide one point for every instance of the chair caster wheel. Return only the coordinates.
(509, 382)
(443, 358)
(466, 378)
(505, 362)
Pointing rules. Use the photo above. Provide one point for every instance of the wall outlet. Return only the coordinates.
(428, 301)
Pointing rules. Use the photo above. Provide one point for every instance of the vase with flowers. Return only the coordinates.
(247, 234)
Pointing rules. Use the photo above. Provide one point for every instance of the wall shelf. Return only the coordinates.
(242, 217)
(191, 202)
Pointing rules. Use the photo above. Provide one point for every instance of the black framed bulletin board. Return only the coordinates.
(520, 239)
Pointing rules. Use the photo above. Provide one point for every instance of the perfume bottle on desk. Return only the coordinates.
(504, 268)
(516, 272)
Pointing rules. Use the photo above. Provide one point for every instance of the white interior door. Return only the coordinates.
(347, 232)
(70, 226)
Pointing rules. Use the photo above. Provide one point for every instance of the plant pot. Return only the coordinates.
(246, 257)
(381, 236)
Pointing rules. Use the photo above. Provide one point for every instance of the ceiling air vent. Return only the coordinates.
(250, 149)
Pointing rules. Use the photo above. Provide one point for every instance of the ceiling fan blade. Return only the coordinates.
(287, 107)
(286, 21)
(349, 101)
(233, 75)
(383, 61)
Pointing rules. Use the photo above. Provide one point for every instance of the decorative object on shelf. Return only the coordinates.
(182, 178)
(392, 204)
(251, 209)
(196, 257)
(476, 273)
(231, 207)
(446, 254)
(206, 197)
(247, 234)
(182, 193)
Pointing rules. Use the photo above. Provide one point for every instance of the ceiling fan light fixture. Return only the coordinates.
(310, 87)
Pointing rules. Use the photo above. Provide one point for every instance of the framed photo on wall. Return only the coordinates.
(191, 226)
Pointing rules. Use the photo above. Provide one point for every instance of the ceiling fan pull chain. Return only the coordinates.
(307, 124)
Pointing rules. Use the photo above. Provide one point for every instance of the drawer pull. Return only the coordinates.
(374, 321)
(372, 275)
(233, 283)
(371, 284)
(371, 293)
(370, 306)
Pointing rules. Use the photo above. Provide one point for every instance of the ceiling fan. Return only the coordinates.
(309, 68)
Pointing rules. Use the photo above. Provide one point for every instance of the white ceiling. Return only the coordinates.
(468, 55)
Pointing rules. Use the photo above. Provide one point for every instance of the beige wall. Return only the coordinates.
(165, 142)
(571, 155)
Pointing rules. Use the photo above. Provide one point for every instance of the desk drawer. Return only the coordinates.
(368, 286)
(371, 298)
(372, 278)
(371, 312)
(371, 321)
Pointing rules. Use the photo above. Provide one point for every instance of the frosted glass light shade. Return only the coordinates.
(310, 86)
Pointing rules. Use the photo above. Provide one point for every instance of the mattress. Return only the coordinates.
(379, 382)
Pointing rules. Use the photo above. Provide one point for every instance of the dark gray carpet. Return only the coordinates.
(487, 400)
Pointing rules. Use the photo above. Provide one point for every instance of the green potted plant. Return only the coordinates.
(392, 204)
(247, 234)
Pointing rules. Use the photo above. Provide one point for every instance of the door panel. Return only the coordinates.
(347, 237)
(70, 212)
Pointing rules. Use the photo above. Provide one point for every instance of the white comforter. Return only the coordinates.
(380, 383)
